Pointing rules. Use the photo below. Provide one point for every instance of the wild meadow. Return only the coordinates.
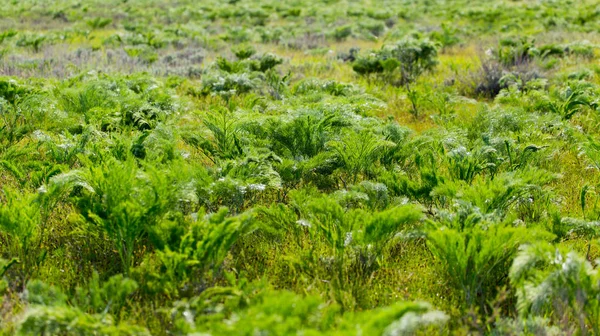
(301, 167)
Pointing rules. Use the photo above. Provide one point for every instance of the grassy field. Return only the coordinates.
(319, 167)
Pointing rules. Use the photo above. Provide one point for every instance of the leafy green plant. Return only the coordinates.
(225, 130)
(304, 136)
(278, 84)
(266, 62)
(401, 64)
(98, 22)
(203, 247)
(358, 153)
(284, 312)
(581, 228)
(415, 57)
(121, 146)
(244, 52)
(108, 297)
(516, 51)
(48, 312)
(343, 32)
(409, 57)
(123, 202)
(4, 267)
(20, 225)
(549, 279)
(7, 34)
(508, 191)
(34, 41)
(476, 252)
(464, 165)
(355, 241)
(571, 102)
(446, 35)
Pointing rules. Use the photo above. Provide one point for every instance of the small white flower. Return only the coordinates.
(304, 223)
(257, 186)
(40, 136)
(189, 317)
(65, 146)
(348, 239)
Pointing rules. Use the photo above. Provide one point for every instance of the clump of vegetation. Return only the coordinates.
(324, 168)
(400, 64)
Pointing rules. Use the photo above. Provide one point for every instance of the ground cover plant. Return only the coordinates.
(319, 167)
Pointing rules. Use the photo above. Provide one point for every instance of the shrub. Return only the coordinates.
(566, 284)
(343, 32)
(476, 252)
(400, 63)
(48, 313)
(122, 202)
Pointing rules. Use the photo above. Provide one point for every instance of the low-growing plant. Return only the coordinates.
(569, 103)
(548, 279)
(401, 63)
(225, 131)
(48, 312)
(476, 252)
(122, 202)
(203, 248)
(98, 22)
(358, 154)
(22, 233)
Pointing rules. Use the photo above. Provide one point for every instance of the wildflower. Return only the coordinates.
(304, 223)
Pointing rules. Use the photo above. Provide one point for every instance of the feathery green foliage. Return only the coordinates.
(263, 167)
